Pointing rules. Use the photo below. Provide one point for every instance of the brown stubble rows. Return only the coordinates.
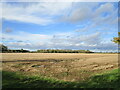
(64, 66)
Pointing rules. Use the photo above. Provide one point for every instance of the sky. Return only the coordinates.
(60, 25)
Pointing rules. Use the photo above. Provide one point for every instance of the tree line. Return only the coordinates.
(4, 49)
(63, 51)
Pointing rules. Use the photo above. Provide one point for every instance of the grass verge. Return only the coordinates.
(109, 79)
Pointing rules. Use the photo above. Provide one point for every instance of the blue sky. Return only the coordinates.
(60, 25)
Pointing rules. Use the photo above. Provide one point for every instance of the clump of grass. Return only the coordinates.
(13, 80)
(110, 79)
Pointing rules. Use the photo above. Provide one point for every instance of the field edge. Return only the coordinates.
(109, 79)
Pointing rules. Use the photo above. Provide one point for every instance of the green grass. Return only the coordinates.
(109, 79)
(15, 80)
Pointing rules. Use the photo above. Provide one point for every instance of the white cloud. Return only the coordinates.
(70, 41)
(23, 36)
(107, 8)
(102, 16)
(20, 14)
(37, 13)
(78, 15)
(44, 14)
(79, 12)
(60, 0)
(27, 19)
(49, 8)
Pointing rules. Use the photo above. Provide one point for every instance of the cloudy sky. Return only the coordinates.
(60, 25)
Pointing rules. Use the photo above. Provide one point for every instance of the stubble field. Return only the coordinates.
(62, 66)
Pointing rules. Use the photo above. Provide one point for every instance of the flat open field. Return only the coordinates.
(63, 66)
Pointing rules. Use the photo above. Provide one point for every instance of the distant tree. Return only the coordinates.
(21, 50)
(117, 39)
(3, 48)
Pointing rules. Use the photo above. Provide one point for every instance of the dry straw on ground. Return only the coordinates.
(64, 66)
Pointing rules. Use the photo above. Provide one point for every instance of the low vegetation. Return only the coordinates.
(109, 79)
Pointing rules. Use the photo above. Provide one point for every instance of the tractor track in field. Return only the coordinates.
(51, 60)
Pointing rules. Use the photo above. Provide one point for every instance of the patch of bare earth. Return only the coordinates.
(64, 66)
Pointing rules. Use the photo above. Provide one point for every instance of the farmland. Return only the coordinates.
(61, 66)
